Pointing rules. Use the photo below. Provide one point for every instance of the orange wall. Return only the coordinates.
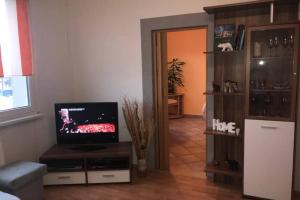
(188, 46)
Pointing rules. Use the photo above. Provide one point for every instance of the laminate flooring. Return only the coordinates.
(185, 180)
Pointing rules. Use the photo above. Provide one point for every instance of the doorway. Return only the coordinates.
(153, 92)
(187, 104)
(180, 81)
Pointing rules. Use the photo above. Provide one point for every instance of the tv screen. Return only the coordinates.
(86, 123)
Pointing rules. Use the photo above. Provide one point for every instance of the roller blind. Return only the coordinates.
(15, 48)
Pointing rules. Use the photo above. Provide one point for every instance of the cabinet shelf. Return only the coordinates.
(270, 90)
(209, 131)
(224, 94)
(223, 52)
(272, 58)
(211, 168)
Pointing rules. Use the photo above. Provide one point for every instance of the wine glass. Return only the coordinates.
(253, 105)
(276, 45)
(261, 84)
(291, 40)
(284, 100)
(268, 102)
(252, 84)
(270, 44)
(285, 42)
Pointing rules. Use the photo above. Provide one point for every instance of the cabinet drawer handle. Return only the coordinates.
(64, 177)
(269, 127)
(108, 175)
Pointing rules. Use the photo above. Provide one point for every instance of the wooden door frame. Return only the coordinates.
(157, 157)
(160, 92)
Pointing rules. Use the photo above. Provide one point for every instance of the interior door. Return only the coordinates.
(159, 40)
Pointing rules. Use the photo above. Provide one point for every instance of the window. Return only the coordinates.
(15, 55)
(14, 93)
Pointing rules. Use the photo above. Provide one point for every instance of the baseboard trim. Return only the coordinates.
(295, 194)
(252, 197)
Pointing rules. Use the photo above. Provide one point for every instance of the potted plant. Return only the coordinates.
(141, 132)
(175, 75)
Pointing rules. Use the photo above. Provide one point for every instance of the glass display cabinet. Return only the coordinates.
(271, 82)
(271, 72)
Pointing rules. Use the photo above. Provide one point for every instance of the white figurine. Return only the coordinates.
(225, 46)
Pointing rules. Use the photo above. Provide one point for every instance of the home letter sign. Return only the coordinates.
(223, 127)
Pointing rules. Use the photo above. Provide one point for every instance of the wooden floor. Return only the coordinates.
(158, 185)
(185, 181)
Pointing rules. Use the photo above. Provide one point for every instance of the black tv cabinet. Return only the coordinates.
(69, 165)
(88, 147)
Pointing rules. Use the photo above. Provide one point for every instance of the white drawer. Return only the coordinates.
(61, 178)
(117, 176)
(268, 159)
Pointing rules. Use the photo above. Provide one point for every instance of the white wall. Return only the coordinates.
(105, 45)
(51, 81)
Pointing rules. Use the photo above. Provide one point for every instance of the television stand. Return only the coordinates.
(88, 164)
(88, 147)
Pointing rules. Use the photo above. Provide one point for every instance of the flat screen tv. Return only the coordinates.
(87, 123)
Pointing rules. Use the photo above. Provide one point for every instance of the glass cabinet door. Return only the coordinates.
(272, 72)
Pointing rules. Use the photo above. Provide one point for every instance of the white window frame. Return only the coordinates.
(17, 115)
(15, 90)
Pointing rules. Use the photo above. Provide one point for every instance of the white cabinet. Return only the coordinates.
(268, 159)
(62, 178)
(117, 176)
